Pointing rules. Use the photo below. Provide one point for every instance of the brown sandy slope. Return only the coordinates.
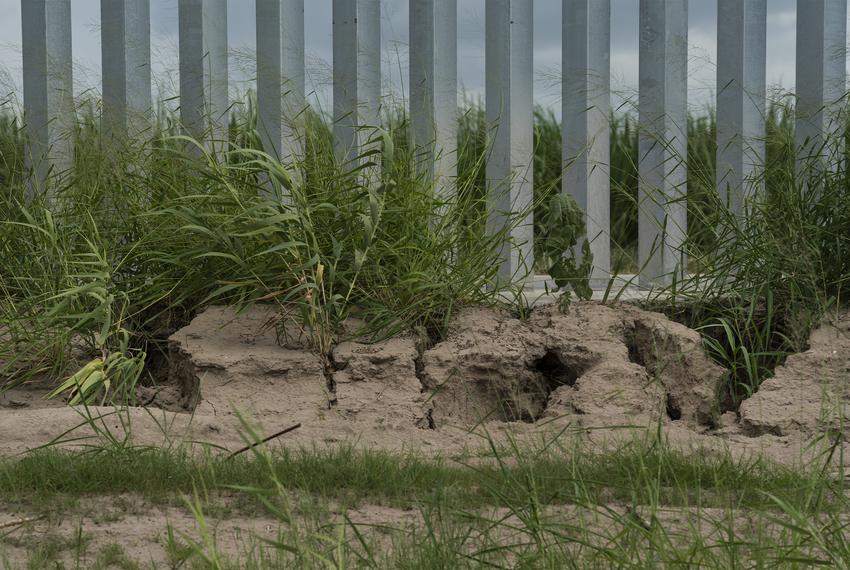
(585, 375)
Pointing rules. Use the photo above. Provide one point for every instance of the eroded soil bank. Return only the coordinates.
(584, 375)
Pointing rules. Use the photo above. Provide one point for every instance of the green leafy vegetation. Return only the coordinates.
(140, 235)
(757, 285)
(405, 480)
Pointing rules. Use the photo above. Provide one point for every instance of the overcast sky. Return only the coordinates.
(547, 46)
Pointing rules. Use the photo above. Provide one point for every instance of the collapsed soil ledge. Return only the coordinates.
(589, 372)
(595, 365)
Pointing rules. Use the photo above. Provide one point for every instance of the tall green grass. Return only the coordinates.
(142, 234)
(758, 285)
(754, 288)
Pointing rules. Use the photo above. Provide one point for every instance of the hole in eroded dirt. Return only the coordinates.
(674, 412)
(644, 351)
(528, 403)
(554, 371)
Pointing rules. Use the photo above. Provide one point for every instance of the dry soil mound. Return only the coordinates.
(592, 370)
(596, 364)
(810, 392)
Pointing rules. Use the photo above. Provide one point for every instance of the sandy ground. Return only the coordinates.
(585, 375)
(595, 376)
(140, 529)
(162, 536)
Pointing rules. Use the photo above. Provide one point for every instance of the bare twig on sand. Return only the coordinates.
(269, 438)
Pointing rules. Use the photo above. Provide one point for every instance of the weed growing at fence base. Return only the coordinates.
(758, 284)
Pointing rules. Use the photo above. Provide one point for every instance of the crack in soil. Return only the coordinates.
(329, 368)
(424, 341)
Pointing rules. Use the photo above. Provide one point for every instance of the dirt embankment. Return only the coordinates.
(810, 393)
(588, 372)
(596, 366)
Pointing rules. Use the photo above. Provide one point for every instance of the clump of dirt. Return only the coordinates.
(492, 366)
(378, 383)
(769, 335)
(810, 392)
(226, 362)
(485, 369)
(30, 395)
(673, 353)
(489, 367)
